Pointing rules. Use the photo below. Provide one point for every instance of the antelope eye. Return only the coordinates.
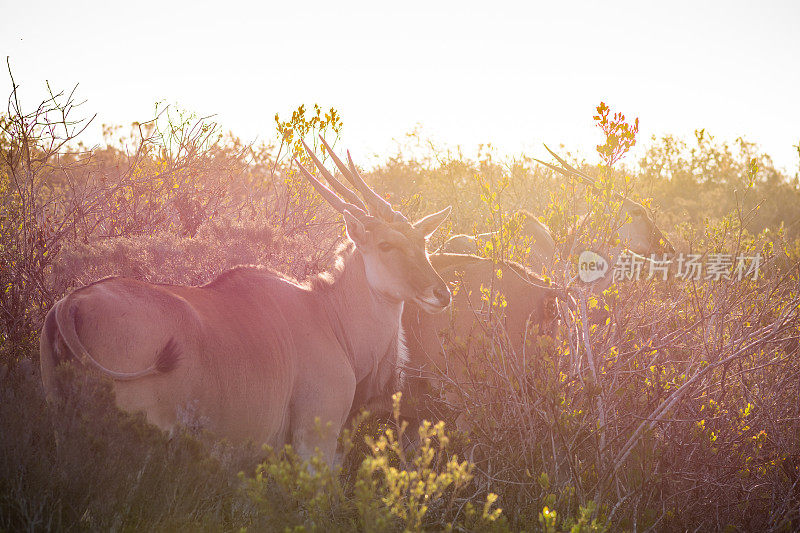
(385, 246)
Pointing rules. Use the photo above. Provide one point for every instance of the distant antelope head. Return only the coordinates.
(637, 229)
(395, 260)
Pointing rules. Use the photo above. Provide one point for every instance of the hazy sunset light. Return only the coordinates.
(410, 266)
(511, 73)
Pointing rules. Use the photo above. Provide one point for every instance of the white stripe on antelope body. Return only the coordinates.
(257, 354)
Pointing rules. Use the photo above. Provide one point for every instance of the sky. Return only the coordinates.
(515, 74)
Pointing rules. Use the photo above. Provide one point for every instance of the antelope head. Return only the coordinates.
(395, 259)
(639, 232)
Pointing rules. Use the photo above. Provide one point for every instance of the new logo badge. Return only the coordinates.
(591, 266)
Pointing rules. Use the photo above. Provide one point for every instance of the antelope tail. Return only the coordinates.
(65, 313)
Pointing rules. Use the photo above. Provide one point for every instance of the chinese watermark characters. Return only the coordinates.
(690, 267)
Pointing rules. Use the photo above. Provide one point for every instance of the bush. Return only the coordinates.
(678, 409)
(79, 463)
(388, 490)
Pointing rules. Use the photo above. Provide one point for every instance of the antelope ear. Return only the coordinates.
(429, 224)
(355, 229)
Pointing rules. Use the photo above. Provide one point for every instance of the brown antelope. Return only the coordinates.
(529, 311)
(632, 229)
(257, 354)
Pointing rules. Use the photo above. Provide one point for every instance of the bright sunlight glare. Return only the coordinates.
(514, 74)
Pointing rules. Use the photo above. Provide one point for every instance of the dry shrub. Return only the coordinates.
(679, 412)
(78, 463)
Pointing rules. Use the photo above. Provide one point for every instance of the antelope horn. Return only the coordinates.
(586, 179)
(336, 202)
(339, 164)
(568, 170)
(382, 208)
(559, 170)
(340, 188)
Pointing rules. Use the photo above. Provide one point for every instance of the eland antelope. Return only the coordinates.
(259, 355)
(631, 228)
(530, 310)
